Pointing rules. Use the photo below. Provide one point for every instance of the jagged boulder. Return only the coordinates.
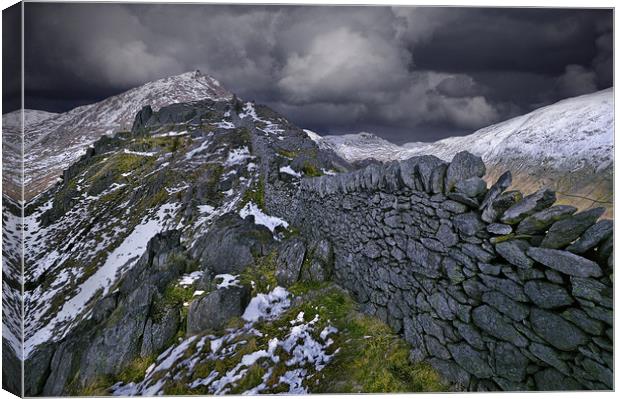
(464, 165)
(290, 260)
(214, 310)
(142, 117)
(231, 244)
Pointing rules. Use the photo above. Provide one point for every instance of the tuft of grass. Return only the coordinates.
(262, 275)
(99, 387)
(136, 369)
(311, 170)
(173, 297)
(255, 194)
(372, 358)
(287, 153)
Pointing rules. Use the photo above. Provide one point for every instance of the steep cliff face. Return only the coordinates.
(497, 290)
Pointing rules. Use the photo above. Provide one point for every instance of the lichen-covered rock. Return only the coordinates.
(231, 244)
(551, 380)
(499, 205)
(424, 170)
(463, 166)
(514, 251)
(515, 310)
(565, 262)
(594, 235)
(565, 231)
(550, 356)
(590, 289)
(510, 363)
(531, 204)
(499, 229)
(467, 223)
(540, 221)
(463, 199)
(472, 187)
(556, 331)
(492, 322)
(579, 318)
(471, 360)
(547, 295)
(452, 372)
(505, 286)
(214, 310)
(289, 262)
(446, 235)
(504, 181)
(437, 179)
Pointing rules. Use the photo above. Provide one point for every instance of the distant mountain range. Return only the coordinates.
(567, 146)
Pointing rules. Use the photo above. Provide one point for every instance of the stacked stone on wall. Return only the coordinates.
(498, 291)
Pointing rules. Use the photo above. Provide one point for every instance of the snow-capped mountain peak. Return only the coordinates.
(55, 141)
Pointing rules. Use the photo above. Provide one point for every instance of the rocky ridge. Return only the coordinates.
(52, 142)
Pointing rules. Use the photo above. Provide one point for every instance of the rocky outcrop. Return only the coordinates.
(212, 311)
(497, 290)
(123, 325)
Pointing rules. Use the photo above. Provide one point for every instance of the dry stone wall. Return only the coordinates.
(498, 291)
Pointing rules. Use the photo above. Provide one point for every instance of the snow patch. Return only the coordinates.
(228, 280)
(288, 170)
(267, 306)
(271, 222)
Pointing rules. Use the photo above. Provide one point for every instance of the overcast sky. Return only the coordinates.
(407, 74)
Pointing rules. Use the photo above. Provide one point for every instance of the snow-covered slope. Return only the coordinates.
(13, 120)
(567, 145)
(52, 144)
(361, 146)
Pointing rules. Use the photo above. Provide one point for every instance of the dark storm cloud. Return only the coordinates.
(406, 73)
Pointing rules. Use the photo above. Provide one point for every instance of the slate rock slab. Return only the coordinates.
(565, 262)
(555, 330)
(514, 251)
(492, 322)
(531, 204)
(547, 295)
(567, 230)
(289, 262)
(594, 235)
(540, 221)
